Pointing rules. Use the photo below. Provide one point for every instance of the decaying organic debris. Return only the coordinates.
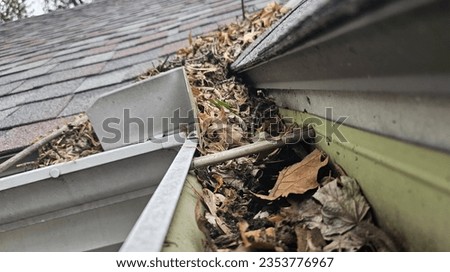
(266, 201)
(69, 142)
(77, 142)
(224, 105)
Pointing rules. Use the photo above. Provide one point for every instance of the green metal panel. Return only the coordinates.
(408, 186)
(184, 235)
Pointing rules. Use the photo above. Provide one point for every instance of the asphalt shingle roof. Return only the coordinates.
(56, 65)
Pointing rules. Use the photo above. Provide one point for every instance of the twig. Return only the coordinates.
(27, 151)
(243, 9)
(245, 150)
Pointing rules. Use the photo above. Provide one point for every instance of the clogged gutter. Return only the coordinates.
(292, 199)
(79, 141)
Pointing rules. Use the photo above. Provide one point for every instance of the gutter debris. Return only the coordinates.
(292, 198)
(77, 142)
(74, 140)
(289, 199)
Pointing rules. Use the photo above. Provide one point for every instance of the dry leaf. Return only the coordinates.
(261, 215)
(341, 220)
(315, 240)
(301, 233)
(343, 205)
(364, 235)
(297, 178)
(277, 218)
(227, 241)
(243, 226)
(349, 241)
(249, 37)
(309, 240)
(210, 201)
(305, 211)
(261, 239)
(374, 239)
(219, 180)
(79, 141)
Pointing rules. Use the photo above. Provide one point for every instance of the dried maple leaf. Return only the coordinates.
(349, 241)
(364, 235)
(343, 205)
(297, 178)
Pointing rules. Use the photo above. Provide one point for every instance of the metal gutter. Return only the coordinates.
(373, 79)
(311, 20)
(17, 169)
(49, 209)
(104, 194)
(106, 157)
(184, 234)
(149, 109)
(149, 232)
(379, 66)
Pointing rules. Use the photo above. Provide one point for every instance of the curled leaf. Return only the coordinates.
(297, 178)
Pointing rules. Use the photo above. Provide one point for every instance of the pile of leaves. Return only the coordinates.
(310, 205)
(224, 106)
(76, 142)
(269, 201)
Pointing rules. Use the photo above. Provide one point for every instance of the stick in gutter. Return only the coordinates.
(32, 148)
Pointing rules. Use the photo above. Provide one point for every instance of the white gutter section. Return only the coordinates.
(149, 232)
(88, 204)
(92, 203)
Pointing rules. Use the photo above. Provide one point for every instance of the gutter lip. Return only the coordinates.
(150, 230)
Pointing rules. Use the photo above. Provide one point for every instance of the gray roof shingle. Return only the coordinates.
(34, 112)
(58, 64)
